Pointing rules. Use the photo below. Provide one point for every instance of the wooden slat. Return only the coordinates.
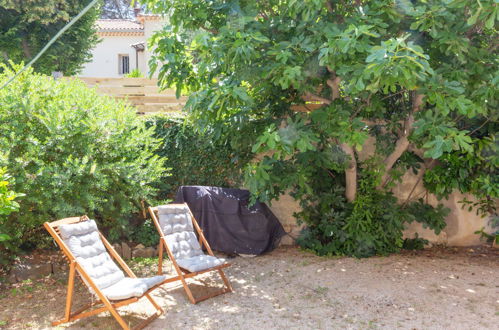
(120, 81)
(151, 99)
(122, 90)
(170, 107)
(142, 93)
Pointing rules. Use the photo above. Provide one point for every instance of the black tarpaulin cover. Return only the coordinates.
(228, 224)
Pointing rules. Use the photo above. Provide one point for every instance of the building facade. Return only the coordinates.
(123, 47)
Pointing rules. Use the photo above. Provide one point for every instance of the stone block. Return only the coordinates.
(143, 252)
(126, 251)
(117, 248)
(26, 270)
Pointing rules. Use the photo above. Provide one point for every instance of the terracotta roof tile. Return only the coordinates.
(118, 25)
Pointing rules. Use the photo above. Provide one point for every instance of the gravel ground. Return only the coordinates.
(439, 288)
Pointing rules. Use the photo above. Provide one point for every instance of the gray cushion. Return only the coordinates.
(84, 242)
(131, 287)
(198, 263)
(176, 223)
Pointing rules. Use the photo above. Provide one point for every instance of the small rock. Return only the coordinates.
(12, 278)
(126, 251)
(25, 270)
(140, 246)
(143, 252)
(118, 250)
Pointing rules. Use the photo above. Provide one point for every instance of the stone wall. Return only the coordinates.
(460, 229)
(461, 224)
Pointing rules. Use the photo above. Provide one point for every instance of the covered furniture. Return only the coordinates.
(228, 222)
(176, 224)
(91, 257)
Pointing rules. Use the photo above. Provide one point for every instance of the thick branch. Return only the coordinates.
(313, 97)
(350, 173)
(209, 30)
(403, 142)
(351, 170)
(334, 84)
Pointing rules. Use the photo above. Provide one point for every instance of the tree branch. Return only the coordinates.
(419, 177)
(403, 142)
(214, 31)
(350, 173)
(334, 84)
(318, 98)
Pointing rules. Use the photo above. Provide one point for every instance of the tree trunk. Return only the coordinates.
(402, 143)
(350, 173)
(26, 49)
(351, 170)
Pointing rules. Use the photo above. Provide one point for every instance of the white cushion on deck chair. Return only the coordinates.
(131, 287)
(176, 224)
(85, 244)
(199, 263)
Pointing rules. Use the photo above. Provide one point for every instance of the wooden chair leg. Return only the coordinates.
(226, 289)
(160, 257)
(153, 302)
(113, 311)
(151, 318)
(225, 279)
(187, 289)
(71, 284)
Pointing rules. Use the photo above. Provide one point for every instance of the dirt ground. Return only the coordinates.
(440, 288)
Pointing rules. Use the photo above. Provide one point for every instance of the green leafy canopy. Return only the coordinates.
(28, 25)
(420, 77)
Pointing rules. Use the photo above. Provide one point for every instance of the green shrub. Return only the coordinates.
(146, 234)
(135, 73)
(8, 205)
(194, 158)
(372, 224)
(416, 243)
(72, 152)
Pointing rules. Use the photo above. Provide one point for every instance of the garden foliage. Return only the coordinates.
(418, 76)
(195, 158)
(73, 152)
(192, 158)
(8, 205)
(28, 25)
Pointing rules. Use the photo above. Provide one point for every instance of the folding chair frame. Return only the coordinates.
(183, 274)
(76, 268)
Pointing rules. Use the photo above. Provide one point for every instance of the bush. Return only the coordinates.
(372, 224)
(8, 205)
(73, 151)
(135, 73)
(194, 158)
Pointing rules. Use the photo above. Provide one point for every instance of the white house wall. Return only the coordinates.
(105, 56)
(151, 26)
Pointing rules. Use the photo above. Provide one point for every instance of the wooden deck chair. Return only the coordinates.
(91, 257)
(176, 224)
